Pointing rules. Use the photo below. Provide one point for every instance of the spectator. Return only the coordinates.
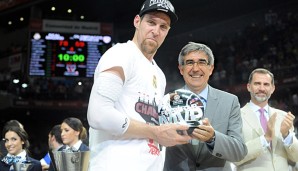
(17, 144)
(55, 143)
(268, 132)
(218, 138)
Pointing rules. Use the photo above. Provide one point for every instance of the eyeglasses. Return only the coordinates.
(191, 63)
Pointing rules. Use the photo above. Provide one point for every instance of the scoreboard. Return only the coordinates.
(65, 54)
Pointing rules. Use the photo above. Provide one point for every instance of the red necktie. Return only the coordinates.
(263, 119)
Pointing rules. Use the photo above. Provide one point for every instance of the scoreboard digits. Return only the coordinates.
(65, 54)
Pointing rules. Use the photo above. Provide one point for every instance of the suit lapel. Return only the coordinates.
(211, 105)
(209, 112)
(249, 116)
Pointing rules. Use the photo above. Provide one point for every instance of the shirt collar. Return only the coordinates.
(255, 107)
(21, 154)
(76, 146)
(203, 94)
(57, 149)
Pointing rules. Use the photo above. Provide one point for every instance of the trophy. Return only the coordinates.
(182, 107)
(25, 166)
(70, 161)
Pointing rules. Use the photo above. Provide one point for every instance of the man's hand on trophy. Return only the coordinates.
(204, 132)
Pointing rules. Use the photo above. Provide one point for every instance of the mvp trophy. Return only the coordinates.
(182, 107)
(70, 161)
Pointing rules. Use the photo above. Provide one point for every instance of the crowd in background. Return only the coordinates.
(273, 46)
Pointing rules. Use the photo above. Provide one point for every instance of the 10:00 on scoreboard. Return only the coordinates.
(65, 54)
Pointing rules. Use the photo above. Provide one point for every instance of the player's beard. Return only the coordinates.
(260, 99)
(149, 47)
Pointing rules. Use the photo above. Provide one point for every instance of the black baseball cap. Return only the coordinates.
(159, 5)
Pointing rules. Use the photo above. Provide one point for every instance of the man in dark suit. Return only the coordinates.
(55, 143)
(219, 137)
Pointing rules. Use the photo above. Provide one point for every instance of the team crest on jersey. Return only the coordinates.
(154, 81)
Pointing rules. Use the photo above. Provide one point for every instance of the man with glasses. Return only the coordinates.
(219, 136)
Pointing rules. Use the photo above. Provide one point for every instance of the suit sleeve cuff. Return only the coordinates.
(211, 143)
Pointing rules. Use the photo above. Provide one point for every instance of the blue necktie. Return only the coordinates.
(11, 159)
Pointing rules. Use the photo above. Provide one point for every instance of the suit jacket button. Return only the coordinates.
(197, 164)
(218, 155)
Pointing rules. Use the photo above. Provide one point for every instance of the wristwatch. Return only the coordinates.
(212, 139)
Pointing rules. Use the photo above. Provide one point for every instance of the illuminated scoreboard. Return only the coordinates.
(65, 55)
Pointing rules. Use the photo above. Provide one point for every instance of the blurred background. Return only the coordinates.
(49, 49)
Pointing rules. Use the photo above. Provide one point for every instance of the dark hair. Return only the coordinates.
(56, 132)
(21, 133)
(261, 71)
(194, 47)
(76, 125)
(11, 123)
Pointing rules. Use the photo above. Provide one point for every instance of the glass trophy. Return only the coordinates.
(182, 107)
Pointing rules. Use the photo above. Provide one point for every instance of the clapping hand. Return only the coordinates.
(270, 128)
(287, 124)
